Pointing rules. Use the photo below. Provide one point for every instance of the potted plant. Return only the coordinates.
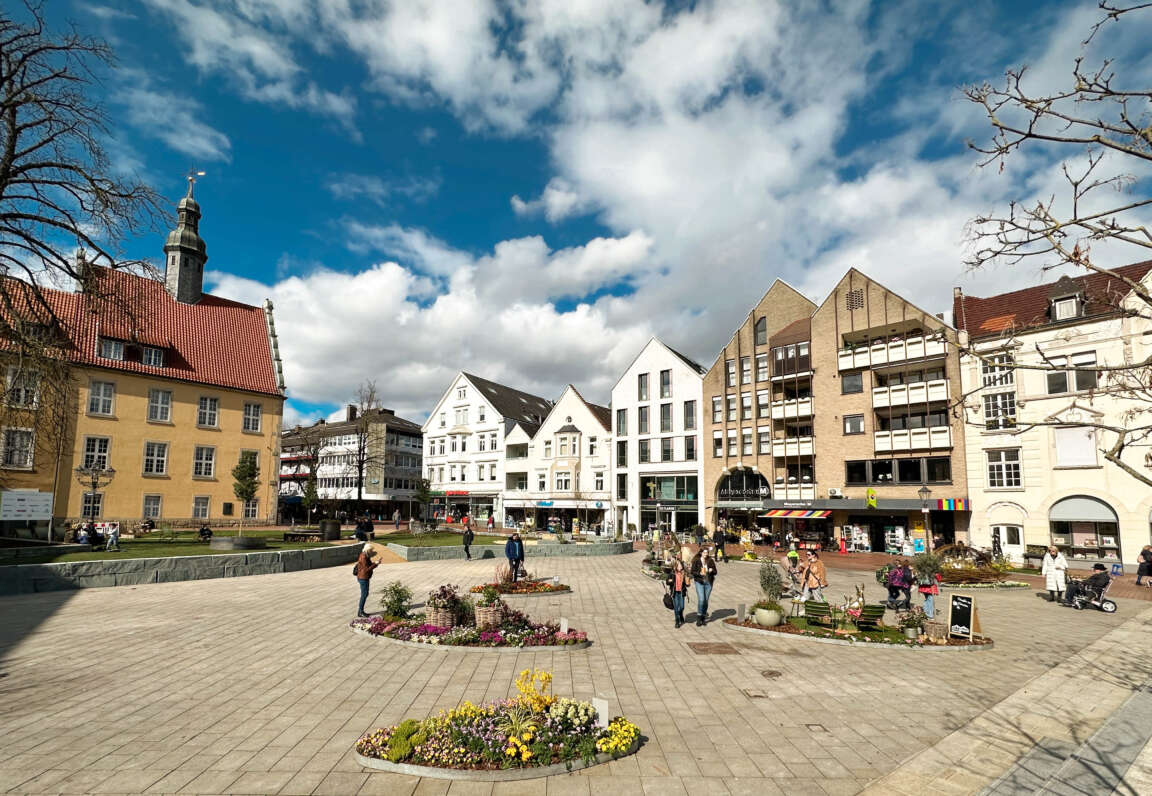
(767, 611)
(489, 608)
(912, 622)
(443, 606)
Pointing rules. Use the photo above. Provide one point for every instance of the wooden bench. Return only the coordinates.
(870, 617)
(819, 613)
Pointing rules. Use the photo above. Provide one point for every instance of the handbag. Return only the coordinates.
(668, 600)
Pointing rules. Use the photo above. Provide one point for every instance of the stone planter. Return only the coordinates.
(440, 617)
(766, 617)
(329, 529)
(489, 617)
(911, 633)
(237, 543)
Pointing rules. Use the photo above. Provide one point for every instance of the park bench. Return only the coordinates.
(819, 613)
(870, 617)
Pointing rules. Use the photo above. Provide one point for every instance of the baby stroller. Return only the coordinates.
(1094, 597)
(792, 576)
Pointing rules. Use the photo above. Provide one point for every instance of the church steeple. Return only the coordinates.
(185, 252)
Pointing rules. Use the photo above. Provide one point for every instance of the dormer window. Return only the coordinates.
(1065, 309)
(112, 349)
(153, 357)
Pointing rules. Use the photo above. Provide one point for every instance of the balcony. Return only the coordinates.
(910, 394)
(793, 408)
(914, 439)
(886, 353)
(794, 492)
(792, 446)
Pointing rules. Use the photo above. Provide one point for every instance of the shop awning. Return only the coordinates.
(805, 513)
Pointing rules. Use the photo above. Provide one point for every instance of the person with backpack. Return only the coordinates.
(704, 573)
(467, 538)
(677, 583)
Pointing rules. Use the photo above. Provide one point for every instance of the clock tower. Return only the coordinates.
(185, 253)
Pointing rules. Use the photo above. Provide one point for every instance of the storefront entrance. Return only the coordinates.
(1086, 530)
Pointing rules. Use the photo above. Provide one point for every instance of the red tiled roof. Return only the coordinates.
(214, 341)
(1022, 309)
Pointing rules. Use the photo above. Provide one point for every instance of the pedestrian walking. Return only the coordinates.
(113, 538)
(491, 523)
(677, 583)
(396, 518)
(813, 577)
(929, 588)
(363, 572)
(699, 532)
(467, 538)
(1144, 566)
(514, 552)
(718, 540)
(704, 573)
(1055, 572)
(900, 585)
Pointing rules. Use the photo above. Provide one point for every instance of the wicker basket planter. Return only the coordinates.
(489, 617)
(440, 617)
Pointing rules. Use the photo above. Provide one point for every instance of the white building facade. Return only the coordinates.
(657, 460)
(1035, 447)
(558, 475)
(464, 445)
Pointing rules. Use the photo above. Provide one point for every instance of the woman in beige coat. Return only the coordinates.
(1055, 571)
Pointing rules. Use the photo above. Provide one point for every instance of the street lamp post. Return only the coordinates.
(96, 478)
(924, 494)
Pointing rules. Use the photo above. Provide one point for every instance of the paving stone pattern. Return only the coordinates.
(255, 685)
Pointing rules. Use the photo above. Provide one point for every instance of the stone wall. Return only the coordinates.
(496, 551)
(27, 578)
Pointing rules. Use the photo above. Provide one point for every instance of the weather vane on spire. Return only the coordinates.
(193, 173)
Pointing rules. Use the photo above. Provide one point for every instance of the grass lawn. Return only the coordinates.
(433, 539)
(890, 634)
(152, 546)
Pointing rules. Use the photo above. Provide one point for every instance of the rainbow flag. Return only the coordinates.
(953, 504)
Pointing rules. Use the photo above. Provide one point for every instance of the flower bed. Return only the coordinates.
(521, 587)
(515, 630)
(884, 636)
(535, 730)
(1004, 584)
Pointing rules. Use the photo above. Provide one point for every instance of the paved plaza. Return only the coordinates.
(255, 685)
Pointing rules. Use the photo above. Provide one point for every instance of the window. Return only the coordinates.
(621, 454)
(204, 463)
(745, 370)
(717, 409)
(96, 452)
(1065, 309)
(622, 422)
(642, 387)
(547, 449)
(591, 446)
(761, 367)
(541, 482)
(731, 399)
(999, 410)
(666, 449)
(451, 472)
(93, 505)
(100, 397)
(252, 416)
(763, 405)
(1084, 379)
(461, 393)
(855, 473)
(761, 331)
(492, 441)
(23, 387)
(251, 508)
(598, 483)
(732, 449)
(152, 357)
(746, 406)
(563, 481)
(644, 453)
(112, 349)
(642, 421)
(479, 472)
(997, 371)
(665, 384)
(1075, 446)
(483, 440)
(443, 420)
(563, 446)
(480, 413)
(18, 448)
(689, 415)
(851, 383)
(717, 445)
(730, 369)
(622, 486)
(160, 406)
(452, 444)
(938, 469)
(151, 508)
(155, 458)
(909, 471)
(853, 424)
(461, 417)
(208, 412)
(463, 444)
(746, 442)
(1004, 468)
(491, 472)
(764, 441)
(665, 418)
(882, 471)
(690, 449)
(200, 507)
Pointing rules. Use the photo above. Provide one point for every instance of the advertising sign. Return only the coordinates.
(18, 505)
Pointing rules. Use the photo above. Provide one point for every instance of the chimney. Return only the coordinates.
(957, 292)
(384, 411)
(350, 415)
(940, 315)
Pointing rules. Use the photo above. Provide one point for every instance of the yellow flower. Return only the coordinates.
(527, 736)
(511, 750)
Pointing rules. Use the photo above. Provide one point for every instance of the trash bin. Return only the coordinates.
(329, 529)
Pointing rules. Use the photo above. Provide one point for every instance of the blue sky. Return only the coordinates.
(529, 190)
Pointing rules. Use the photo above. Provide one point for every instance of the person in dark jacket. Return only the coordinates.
(677, 583)
(1144, 565)
(1093, 584)
(514, 552)
(704, 573)
(363, 572)
(718, 540)
(467, 538)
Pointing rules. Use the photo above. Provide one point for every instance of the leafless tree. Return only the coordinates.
(1100, 126)
(369, 452)
(303, 444)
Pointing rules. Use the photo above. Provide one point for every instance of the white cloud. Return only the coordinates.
(557, 202)
(380, 190)
(175, 120)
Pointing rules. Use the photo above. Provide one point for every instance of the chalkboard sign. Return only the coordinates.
(962, 620)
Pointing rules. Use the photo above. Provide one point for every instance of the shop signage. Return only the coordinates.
(792, 504)
(436, 493)
(963, 621)
(599, 505)
(743, 485)
(544, 504)
(457, 493)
